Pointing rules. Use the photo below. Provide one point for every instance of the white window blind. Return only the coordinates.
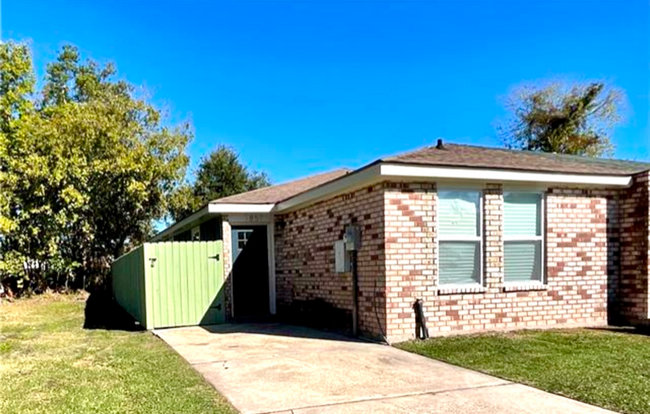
(523, 238)
(459, 237)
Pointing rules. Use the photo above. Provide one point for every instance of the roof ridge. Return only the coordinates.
(551, 154)
(522, 152)
(481, 156)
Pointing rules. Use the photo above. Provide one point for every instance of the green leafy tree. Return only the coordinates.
(86, 167)
(563, 119)
(182, 203)
(220, 174)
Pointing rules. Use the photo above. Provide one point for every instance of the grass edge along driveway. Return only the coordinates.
(607, 368)
(50, 363)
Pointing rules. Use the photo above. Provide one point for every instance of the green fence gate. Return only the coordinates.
(170, 284)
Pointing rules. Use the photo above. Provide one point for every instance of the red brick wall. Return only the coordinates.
(632, 291)
(596, 251)
(577, 254)
(493, 237)
(576, 288)
(410, 235)
(305, 278)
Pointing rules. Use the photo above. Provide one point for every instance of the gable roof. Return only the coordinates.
(469, 156)
(280, 192)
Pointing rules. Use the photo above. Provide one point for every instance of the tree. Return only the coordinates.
(182, 203)
(560, 119)
(220, 174)
(86, 167)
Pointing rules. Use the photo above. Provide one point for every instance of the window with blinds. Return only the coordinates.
(522, 235)
(459, 237)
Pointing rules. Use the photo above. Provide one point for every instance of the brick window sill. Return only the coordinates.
(456, 290)
(524, 287)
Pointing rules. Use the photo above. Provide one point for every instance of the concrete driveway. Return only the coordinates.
(274, 368)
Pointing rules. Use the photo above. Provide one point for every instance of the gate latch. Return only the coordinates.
(215, 257)
(153, 261)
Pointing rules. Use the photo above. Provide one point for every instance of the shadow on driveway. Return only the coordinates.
(278, 329)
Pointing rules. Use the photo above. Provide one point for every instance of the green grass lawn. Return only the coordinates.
(605, 368)
(50, 364)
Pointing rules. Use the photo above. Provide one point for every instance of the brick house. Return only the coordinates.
(488, 238)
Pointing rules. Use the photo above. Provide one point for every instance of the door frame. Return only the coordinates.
(252, 220)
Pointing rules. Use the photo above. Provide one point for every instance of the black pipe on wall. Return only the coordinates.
(421, 331)
(355, 293)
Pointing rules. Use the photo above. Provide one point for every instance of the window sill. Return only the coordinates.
(460, 289)
(523, 287)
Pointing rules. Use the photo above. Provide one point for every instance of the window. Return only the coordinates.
(459, 237)
(239, 239)
(242, 238)
(523, 240)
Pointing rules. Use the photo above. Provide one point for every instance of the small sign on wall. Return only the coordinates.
(256, 218)
(236, 219)
(341, 257)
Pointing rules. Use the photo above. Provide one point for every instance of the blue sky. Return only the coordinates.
(299, 87)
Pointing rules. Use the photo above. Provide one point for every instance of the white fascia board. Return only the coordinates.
(224, 208)
(177, 226)
(387, 171)
(411, 171)
(214, 209)
(343, 184)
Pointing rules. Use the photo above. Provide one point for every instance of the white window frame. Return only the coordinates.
(541, 238)
(478, 238)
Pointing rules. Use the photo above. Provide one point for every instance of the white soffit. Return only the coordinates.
(219, 208)
(411, 171)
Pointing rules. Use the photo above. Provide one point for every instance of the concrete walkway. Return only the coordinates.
(273, 368)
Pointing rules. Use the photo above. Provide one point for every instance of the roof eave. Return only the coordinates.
(400, 170)
(382, 170)
(214, 208)
(180, 224)
(362, 176)
(231, 208)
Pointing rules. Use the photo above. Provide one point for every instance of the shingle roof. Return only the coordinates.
(280, 192)
(454, 155)
(469, 156)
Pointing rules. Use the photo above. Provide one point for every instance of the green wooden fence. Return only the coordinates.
(171, 284)
(128, 274)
